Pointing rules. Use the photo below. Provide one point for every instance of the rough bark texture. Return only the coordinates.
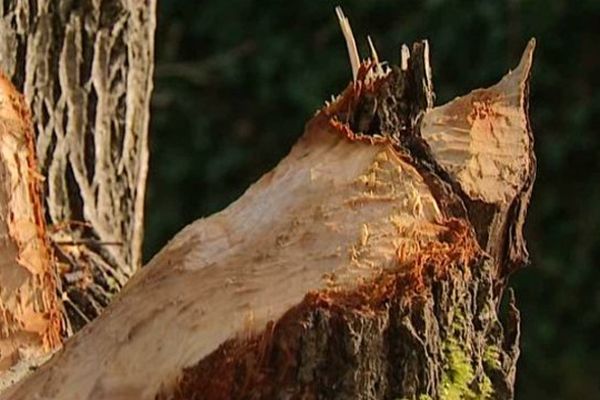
(30, 312)
(85, 68)
(369, 264)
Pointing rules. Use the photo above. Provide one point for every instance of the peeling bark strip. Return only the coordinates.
(85, 68)
(30, 311)
(369, 264)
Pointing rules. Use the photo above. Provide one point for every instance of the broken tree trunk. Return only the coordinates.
(85, 69)
(369, 264)
(30, 311)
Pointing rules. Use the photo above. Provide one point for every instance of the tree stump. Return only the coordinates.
(369, 264)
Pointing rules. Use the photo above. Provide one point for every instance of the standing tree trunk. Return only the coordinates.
(85, 68)
(369, 264)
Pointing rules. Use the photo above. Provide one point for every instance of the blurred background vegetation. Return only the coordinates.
(236, 80)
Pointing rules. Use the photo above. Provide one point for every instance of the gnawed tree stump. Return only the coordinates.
(30, 311)
(369, 264)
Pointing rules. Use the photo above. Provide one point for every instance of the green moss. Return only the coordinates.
(459, 381)
(491, 357)
(486, 388)
(458, 375)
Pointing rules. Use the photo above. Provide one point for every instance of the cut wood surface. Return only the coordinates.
(30, 312)
(368, 264)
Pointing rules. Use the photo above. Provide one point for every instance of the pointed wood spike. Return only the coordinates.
(483, 140)
(350, 42)
(374, 55)
(404, 56)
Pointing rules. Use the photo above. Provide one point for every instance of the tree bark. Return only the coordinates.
(369, 264)
(85, 68)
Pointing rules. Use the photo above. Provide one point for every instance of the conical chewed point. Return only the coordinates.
(483, 139)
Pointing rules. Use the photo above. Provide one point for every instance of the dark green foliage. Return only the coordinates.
(236, 80)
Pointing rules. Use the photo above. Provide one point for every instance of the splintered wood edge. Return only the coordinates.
(30, 309)
(350, 42)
